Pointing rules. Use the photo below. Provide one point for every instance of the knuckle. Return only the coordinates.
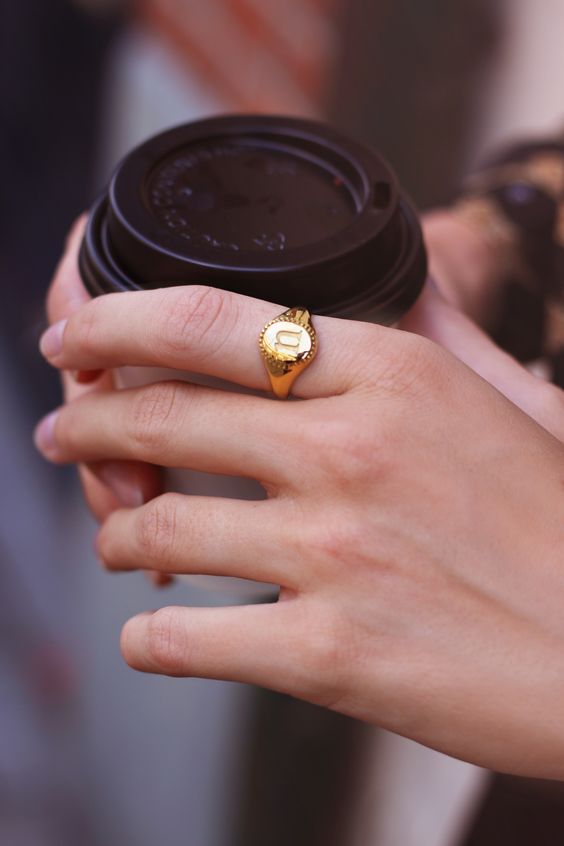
(336, 542)
(327, 653)
(412, 366)
(354, 450)
(156, 412)
(188, 316)
(157, 528)
(338, 546)
(166, 645)
(83, 329)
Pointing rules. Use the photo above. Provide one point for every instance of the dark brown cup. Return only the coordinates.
(283, 209)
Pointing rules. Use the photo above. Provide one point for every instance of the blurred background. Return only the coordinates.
(90, 752)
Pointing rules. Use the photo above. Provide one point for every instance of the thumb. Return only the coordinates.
(67, 293)
(441, 322)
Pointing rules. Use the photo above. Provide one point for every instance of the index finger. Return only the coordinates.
(212, 332)
(67, 293)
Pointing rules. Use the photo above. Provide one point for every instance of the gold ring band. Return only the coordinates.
(288, 344)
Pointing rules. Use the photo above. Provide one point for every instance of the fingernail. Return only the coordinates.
(86, 377)
(118, 478)
(51, 342)
(44, 434)
(160, 580)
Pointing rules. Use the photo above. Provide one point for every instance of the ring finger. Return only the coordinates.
(201, 535)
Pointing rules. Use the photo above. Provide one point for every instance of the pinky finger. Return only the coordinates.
(265, 645)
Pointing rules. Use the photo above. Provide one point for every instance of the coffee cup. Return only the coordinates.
(283, 209)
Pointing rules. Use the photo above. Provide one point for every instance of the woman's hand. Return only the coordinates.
(415, 519)
(465, 267)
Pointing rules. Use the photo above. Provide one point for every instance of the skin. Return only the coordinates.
(414, 520)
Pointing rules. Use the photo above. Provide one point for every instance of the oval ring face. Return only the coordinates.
(287, 340)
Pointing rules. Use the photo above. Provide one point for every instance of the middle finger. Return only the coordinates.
(176, 424)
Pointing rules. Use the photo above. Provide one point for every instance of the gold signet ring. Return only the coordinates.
(288, 345)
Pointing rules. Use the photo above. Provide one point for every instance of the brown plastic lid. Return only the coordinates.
(279, 208)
